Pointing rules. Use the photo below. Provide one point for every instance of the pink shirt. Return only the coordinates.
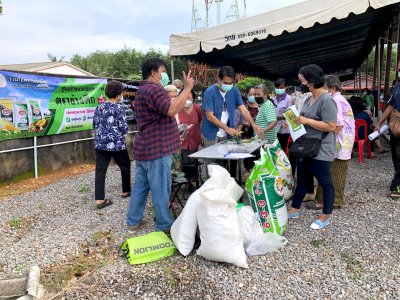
(345, 118)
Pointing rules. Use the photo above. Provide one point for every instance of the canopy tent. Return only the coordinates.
(335, 34)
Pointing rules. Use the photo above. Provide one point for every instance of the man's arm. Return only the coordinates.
(178, 103)
(214, 120)
(246, 114)
(385, 116)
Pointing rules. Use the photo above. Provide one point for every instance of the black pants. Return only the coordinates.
(322, 171)
(102, 161)
(283, 141)
(395, 146)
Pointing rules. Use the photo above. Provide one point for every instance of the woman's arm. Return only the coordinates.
(319, 125)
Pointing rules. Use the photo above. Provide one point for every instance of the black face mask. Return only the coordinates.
(304, 89)
(259, 100)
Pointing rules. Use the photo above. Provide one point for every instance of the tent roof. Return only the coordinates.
(336, 34)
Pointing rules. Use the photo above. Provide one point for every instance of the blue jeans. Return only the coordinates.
(322, 171)
(155, 176)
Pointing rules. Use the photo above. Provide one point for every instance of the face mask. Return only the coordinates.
(164, 79)
(259, 100)
(226, 87)
(188, 103)
(279, 91)
(122, 99)
(251, 99)
(398, 74)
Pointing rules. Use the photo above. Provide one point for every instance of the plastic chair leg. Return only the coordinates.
(361, 151)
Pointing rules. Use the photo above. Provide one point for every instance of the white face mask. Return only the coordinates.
(122, 99)
(188, 103)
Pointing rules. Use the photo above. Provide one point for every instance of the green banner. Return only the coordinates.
(36, 105)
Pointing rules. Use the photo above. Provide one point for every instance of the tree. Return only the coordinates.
(1, 8)
(53, 58)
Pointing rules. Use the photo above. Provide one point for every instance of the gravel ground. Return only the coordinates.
(357, 257)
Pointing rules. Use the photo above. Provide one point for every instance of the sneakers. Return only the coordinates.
(132, 229)
(318, 224)
(294, 215)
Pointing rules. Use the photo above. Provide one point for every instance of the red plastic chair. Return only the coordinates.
(360, 143)
(289, 142)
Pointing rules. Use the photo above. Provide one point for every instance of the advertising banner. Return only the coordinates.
(37, 105)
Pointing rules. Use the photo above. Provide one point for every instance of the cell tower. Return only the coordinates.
(236, 11)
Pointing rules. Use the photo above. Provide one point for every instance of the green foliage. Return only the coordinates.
(53, 58)
(83, 189)
(368, 65)
(15, 223)
(125, 63)
(253, 81)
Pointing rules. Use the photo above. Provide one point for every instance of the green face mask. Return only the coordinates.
(164, 79)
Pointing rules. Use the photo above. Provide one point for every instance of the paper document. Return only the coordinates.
(375, 134)
(296, 131)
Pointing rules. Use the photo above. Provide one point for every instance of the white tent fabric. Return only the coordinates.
(290, 19)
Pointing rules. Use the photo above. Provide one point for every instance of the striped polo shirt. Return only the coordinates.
(266, 115)
(158, 134)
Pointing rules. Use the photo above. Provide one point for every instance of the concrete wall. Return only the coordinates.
(52, 158)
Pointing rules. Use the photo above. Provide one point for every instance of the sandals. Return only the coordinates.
(394, 195)
(126, 195)
(104, 204)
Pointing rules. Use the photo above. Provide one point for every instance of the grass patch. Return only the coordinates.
(92, 256)
(171, 279)
(15, 223)
(353, 266)
(317, 242)
(83, 189)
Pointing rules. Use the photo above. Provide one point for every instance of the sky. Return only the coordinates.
(32, 29)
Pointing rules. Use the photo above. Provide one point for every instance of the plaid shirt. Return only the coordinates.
(158, 134)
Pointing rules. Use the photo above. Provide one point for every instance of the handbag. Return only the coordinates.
(147, 248)
(394, 122)
(306, 147)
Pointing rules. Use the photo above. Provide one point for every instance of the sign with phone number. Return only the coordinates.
(240, 36)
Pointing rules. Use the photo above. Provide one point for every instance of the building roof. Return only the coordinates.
(335, 34)
(42, 67)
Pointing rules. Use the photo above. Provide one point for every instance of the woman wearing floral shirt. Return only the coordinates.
(110, 126)
(345, 132)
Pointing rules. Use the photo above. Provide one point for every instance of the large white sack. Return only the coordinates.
(183, 230)
(221, 239)
(249, 225)
(255, 240)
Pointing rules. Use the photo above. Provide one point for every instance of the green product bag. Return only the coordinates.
(148, 248)
(283, 166)
(264, 188)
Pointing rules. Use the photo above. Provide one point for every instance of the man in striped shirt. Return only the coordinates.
(266, 117)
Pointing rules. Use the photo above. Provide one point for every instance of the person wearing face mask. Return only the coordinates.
(191, 115)
(155, 142)
(219, 104)
(109, 123)
(172, 92)
(266, 117)
(345, 132)
(252, 107)
(319, 116)
(282, 101)
(393, 103)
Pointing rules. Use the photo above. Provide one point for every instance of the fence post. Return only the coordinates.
(35, 156)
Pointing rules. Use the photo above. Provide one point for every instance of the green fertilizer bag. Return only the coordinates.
(147, 248)
(265, 191)
(283, 166)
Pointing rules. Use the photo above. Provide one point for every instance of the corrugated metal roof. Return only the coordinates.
(40, 66)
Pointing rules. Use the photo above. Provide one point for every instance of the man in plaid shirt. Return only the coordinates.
(157, 139)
